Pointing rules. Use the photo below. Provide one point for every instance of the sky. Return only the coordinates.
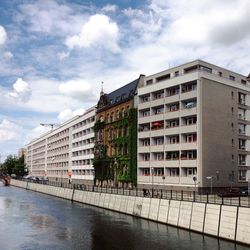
(55, 54)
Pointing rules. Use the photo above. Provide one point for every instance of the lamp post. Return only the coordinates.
(211, 183)
(152, 172)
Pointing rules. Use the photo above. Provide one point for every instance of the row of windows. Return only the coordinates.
(176, 90)
(83, 152)
(83, 172)
(169, 172)
(171, 107)
(57, 150)
(58, 142)
(64, 132)
(84, 123)
(82, 162)
(83, 142)
(192, 69)
(116, 115)
(173, 139)
(171, 123)
(169, 155)
(83, 133)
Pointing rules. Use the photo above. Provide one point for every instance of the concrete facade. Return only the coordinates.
(65, 153)
(193, 121)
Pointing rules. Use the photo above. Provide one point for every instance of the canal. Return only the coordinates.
(30, 220)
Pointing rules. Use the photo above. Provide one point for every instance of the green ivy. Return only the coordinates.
(104, 165)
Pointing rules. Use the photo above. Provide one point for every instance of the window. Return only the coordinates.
(220, 73)
(176, 73)
(145, 171)
(242, 98)
(145, 113)
(162, 78)
(159, 110)
(159, 156)
(145, 98)
(191, 138)
(159, 94)
(242, 129)
(242, 144)
(159, 140)
(173, 107)
(149, 82)
(159, 171)
(244, 82)
(232, 78)
(146, 142)
(174, 139)
(174, 171)
(242, 160)
(242, 175)
(146, 157)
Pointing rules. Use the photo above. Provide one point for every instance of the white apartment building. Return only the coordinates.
(65, 153)
(193, 127)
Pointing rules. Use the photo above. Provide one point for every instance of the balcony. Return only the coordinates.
(175, 163)
(172, 147)
(172, 114)
(188, 111)
(143, 164)
(143, 149)
(157, 148)
(145, 119)
(186, 180)
(188, 94)
(191, 162)
(157, 164)
(188, 146)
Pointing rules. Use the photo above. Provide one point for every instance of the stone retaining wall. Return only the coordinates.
(228, 222)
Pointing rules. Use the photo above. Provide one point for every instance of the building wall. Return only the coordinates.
(217, 143)
(219, 136)
(65, 153)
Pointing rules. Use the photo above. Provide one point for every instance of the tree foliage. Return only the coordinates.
(13, 165)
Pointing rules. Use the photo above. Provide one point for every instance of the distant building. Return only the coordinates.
(21, 152)
(116, 133)
(194, 127)
(65, 153)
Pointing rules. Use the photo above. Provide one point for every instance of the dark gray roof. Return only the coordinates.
(124, 93)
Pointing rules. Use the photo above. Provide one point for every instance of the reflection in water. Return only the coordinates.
(37, 221)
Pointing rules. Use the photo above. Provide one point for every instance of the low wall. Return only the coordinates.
(228, 222)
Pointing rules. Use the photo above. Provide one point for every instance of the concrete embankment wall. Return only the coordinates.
(228, 222)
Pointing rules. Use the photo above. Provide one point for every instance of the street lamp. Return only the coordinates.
(211, 179)
(211, 183)
(152, 172)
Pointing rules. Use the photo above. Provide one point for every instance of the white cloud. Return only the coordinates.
(7, 55)
(21, 91)
(98, 31)
(9, 131)
(3, 35)
(69, 113)
(48, 16)
(110, 8)
(79, 89)
(63, 55)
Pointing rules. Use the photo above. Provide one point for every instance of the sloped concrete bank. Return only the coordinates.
(228, 222)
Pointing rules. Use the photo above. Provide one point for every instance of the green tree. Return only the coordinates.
(14, 165)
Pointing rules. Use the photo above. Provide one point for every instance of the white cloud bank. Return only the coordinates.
(3, 35)
(21, 91)
(69, 113)
(9, 131)
(98, 31)
(78, 89)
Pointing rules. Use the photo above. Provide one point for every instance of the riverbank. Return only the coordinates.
(228, 222)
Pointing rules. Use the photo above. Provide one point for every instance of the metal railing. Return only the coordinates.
(191, 196)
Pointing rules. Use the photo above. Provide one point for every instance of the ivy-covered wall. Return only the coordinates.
(120, 166)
